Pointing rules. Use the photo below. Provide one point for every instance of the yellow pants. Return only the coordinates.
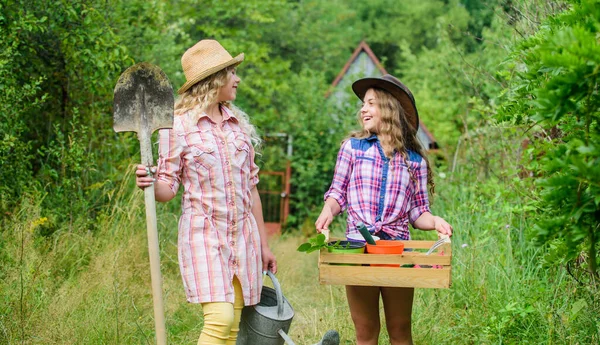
(222, 319)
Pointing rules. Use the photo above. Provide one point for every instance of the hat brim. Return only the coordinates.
(361, 86)
(234, 61)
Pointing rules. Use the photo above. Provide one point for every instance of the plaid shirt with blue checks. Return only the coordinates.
(379, 191)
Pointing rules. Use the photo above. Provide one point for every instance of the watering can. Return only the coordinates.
(262, 323)
(268, 322)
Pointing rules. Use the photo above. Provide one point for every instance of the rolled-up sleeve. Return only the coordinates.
(419, 203)
(341, 176)
(169, 159)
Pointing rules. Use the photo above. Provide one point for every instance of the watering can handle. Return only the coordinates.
(279, 293)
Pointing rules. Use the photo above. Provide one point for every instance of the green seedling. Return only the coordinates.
(317, 242)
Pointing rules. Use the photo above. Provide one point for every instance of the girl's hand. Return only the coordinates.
(325, 218)
(441, 226)
(142, 180)
(268, 260)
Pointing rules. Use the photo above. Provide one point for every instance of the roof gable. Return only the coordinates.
(362, 47)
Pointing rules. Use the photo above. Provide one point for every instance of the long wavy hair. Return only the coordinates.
(395, 133)
(201, 95)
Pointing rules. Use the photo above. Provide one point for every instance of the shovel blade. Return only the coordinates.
(143, 100)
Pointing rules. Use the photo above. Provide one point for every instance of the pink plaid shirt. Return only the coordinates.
(218, 235)
(379, 191)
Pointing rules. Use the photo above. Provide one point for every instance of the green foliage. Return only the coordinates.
(57, 65)
(315, 243)
(555, 94)
(68, 173)
(17, 96)
(414, 23)
(319, 242)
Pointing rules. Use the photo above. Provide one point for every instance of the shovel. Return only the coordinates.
(143, 103)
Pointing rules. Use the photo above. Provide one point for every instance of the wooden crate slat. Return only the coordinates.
(418, 244)
(407, 244)
(385, 276)
(406, 258)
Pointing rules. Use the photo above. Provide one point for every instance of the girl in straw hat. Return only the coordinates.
(222, 245)
(381, 178)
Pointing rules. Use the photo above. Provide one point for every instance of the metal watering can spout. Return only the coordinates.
(331, 337)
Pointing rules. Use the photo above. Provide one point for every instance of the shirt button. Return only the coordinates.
(231, 203)
(227, 162)
(232, 243)
(234, 263)
(222, 142)
(229, 183)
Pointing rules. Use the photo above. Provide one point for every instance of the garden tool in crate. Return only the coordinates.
(268, 322)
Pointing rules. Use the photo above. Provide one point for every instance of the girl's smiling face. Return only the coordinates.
(369, 113)
(228, 92)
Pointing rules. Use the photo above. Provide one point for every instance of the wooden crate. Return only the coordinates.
(355, 269)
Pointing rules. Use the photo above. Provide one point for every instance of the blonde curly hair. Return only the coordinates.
(395, 133)
(204, 93)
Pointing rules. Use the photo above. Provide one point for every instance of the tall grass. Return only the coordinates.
(84, 286)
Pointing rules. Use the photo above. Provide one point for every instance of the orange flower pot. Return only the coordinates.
(385, 247)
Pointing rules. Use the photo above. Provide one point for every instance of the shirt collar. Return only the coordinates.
(227, 114)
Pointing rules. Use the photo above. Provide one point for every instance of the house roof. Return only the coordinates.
(364, 47)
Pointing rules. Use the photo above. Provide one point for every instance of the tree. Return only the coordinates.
(555, 94)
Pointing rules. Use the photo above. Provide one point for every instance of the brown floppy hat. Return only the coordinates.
(392, 85)
(203, 59)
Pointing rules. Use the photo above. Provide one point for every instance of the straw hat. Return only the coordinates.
(203, 59)
(392, 85)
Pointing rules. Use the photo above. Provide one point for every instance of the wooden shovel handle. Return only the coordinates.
(153, 250)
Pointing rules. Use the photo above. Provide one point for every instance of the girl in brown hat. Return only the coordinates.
(381, 179)
(222, 244)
